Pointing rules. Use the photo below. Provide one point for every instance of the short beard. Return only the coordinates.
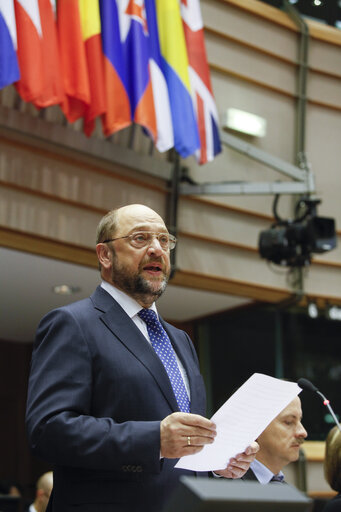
(135, 285)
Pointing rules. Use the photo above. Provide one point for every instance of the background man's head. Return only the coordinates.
(280, 442)
(43, 491)
(332, 460)
(132, 253)
(10, 487)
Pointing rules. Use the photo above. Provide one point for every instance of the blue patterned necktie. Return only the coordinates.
(163, 347)
(277, 478)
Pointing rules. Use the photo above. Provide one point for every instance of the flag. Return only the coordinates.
(204, 104)
(164, 125)
(126, 46)
(134, 33)
(30, 50)
(125, 61)
(53, 90)
(9, 69)
(118, 113)
(133, 70)
(91, 30)
(73, 60)
(175, 69)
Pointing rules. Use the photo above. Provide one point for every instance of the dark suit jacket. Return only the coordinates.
(333, 505)
(249, 475)
(97, 393)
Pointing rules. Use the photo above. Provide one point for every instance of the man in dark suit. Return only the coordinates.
(105, 406)
(279, 445)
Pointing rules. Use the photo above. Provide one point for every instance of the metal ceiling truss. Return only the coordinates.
(301, 174)
(303, 178)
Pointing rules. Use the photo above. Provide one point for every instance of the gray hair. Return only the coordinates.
(106, 229)
(107, 226)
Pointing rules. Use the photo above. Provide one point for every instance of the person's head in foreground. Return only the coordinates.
(332, 461)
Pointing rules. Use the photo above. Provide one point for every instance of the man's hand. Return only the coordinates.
(184, 434)
(238, 465)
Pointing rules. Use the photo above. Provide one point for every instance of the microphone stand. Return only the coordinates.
(327, 404)
(309, 386)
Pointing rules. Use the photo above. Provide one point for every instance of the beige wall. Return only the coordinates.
(253, 52)
(62, 190)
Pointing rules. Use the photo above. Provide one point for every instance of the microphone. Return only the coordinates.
(309, 386)
(306, 384)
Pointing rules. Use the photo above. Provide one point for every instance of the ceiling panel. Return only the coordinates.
(27, 281)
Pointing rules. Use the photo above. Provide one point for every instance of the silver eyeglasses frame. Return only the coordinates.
(147, 237)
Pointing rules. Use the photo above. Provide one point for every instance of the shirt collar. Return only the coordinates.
(130, 305)
(263, 474)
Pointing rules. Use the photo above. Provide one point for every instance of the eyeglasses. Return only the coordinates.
(142, 239)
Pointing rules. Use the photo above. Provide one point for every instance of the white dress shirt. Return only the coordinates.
(263, 474)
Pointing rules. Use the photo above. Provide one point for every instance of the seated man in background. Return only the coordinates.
(43, 492)
(279, 444)
(10, 488)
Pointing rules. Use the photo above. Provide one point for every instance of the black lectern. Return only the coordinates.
(221, 495)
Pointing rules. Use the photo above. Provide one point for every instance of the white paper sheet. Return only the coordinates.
(241, 419)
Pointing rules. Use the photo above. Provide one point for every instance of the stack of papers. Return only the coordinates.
(241, 419)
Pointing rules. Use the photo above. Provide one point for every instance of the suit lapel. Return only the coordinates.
(249, 475)
(121, 325)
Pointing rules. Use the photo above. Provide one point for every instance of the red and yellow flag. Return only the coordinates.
(91, 30)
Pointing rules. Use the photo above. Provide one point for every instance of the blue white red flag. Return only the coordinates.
(126, 49)
(204, 104)
(134, 38)
(9, 69)
(141, 61)
(118, 113)
(136, 87)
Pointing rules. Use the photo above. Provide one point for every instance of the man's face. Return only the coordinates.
(141, 273)
(44, 499)
(281, 440)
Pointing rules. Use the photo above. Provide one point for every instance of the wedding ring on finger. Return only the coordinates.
(188, 440)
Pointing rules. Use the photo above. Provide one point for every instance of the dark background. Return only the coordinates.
(328, 11)
(281, 343)
(231, 346)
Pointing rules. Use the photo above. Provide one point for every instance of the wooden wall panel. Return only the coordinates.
(60, 191)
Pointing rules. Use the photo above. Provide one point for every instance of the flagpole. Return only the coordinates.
(172, 205)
